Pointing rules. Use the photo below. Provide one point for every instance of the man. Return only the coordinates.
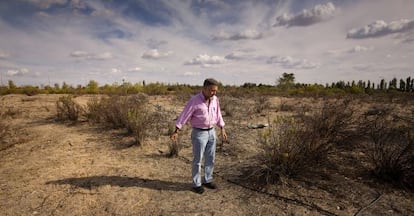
(203, 112)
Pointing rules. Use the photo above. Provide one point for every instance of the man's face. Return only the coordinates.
(210, 91)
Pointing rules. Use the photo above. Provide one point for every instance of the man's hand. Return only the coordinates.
(174, 136)
(223, 135)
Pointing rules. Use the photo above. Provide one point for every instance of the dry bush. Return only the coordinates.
(142, 121)
(130, 112)
(261, 103)
(282, 153)
(8, 134)
(285, 106)
(231, 106)
(173, 149)
(4, 128)
(390, 145)
(182, 97)
(112, 111)
(333, 123)
(293, 146)
(68, 109)
(94, 109)
(173, 146)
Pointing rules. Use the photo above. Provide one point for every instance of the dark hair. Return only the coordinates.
(210, 82)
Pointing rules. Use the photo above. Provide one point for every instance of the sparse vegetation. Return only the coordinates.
(68, 109)
(130, 112)
(261, 103)
(390, 146)
(4, 128)
(296, 144)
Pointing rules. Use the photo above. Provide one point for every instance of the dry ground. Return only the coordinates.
(54, 168)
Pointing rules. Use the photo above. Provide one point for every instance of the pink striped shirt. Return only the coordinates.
(200, 113)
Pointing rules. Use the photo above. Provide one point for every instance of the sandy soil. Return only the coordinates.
(53, 168)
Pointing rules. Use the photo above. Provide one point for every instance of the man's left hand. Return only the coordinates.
(223, 135)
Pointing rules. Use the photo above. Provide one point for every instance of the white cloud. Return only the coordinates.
(359, 48)
(240, 55)
(235, 56)
(79, 53)
(289, 62)
(135, 69)
(248, 34)
(354, 50)
(4, 55)
(155, 54)
(317, 14)
(206, 60)
(86, 55)
(188, 73)
(47, 3)
(103, 56)
(381, 28)
(116, 71)
(18, 72)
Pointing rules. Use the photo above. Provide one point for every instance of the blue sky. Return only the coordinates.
(185, 41)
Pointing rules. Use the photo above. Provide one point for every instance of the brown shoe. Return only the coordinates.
(210, 185)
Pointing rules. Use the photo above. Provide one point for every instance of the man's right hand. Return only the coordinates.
(174, 136)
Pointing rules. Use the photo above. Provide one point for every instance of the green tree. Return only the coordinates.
(12, 86)
(65, 87)
(382, 85)
(286, 81)
(408, 86)
(393, 84)
(402, 85)
(92, 87)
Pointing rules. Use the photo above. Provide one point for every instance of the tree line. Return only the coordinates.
(285, 84)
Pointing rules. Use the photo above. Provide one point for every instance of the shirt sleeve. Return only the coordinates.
(220, 121)
(185, 115)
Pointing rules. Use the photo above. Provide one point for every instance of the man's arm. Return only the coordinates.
(182, 119)
(220, 123)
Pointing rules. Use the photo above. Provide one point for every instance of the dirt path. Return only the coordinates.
(62, 169)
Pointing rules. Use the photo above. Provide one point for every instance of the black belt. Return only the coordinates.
(204, 129)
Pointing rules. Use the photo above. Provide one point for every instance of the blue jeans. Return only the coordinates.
(204, 144)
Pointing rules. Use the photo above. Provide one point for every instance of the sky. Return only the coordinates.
(43, 42)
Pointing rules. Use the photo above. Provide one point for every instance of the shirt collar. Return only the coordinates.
(201, 95)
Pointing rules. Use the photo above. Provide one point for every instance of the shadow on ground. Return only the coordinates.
(97, 181)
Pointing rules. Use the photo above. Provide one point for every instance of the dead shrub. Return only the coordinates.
(293, 146)
(173, 149)
(4, 128)
(68, 109)
(281, 153)
(333, 123)
(9, 134)
(261, 103)
(94, 110)
(141, 121)
(130, 112)
(231, 106)
(173, 146)
(390, 146)
(285, 106)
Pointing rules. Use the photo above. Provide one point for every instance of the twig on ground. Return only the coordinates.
(369, 205)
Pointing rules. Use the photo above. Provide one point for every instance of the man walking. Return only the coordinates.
(203, 112)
